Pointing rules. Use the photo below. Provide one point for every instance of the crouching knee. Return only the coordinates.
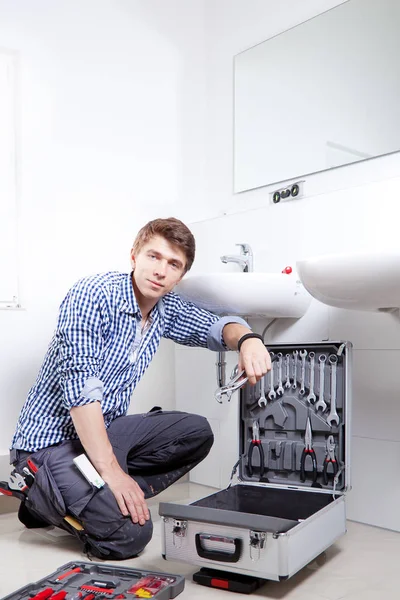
(200, 427)
(126, 542)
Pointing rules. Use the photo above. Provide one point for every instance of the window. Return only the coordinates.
(8, 187)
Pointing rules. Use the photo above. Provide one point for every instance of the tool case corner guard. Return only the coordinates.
(288, 504)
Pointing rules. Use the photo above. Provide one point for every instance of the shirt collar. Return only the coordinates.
(130, 304)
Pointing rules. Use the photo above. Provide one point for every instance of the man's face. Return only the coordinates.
(158, 267)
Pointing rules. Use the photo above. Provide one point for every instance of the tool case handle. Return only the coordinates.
(218, 554)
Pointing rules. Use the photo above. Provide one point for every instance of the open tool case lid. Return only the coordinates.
(83, 579)
(300, 395)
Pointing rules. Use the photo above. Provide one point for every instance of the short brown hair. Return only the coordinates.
(174, 231)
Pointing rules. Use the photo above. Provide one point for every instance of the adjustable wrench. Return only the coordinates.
(262, 401)
(333, 416)
(17, 482)
(311, 395)
(287, 382)
(321, 403)
(280, 391)
(303, 354)
(295, 355)
(272, 393)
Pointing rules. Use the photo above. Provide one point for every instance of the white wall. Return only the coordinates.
(342, 210)
(110, 97)
(8, 192)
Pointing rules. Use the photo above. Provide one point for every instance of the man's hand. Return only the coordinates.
(254, 358)
(128, 494)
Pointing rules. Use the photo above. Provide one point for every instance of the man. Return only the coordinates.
(108, 330)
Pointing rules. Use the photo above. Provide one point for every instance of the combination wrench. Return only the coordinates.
(295, 355)
(303, 354)
(262, 401)
(280, 391)
(272, 393)
(333, 416)
(287, 382)
(311, 396)
(321, 404)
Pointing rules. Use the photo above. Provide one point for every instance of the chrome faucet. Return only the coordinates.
(244, 259)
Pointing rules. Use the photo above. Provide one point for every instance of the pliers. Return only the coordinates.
(15, 486)
(255, 442)
(330, 459)
(237, 380)
(308, 451)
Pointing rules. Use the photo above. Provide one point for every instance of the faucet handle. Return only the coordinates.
(245, 248)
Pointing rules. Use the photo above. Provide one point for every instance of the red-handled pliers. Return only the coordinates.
(330, 458)
(255, 442)
(308, 451)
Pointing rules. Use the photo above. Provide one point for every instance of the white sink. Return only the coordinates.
(257, 294)
(359, 280)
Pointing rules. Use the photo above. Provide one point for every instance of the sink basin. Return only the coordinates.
(257, 294)
(359, 280)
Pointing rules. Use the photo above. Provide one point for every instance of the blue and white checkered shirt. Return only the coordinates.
(98, 353)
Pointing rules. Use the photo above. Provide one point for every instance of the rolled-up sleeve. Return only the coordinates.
(215, 340)
(80, 345)
(194, 326)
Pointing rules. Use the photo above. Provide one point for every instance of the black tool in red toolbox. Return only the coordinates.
(92, 581)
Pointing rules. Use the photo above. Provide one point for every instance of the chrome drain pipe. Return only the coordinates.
(221, 368)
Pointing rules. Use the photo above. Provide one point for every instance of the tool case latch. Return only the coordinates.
(178, 531)
(257, 543)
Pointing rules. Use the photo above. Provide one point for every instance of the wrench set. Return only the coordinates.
(297, 411)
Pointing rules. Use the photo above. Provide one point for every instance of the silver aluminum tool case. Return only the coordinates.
(271, 525)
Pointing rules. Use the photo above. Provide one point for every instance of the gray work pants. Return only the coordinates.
(156, 449)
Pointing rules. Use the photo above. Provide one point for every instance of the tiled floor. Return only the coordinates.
(363, 565)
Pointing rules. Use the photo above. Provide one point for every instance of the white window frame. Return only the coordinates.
(9, 292)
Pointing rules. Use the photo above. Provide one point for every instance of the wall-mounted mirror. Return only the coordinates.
(323, 94)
